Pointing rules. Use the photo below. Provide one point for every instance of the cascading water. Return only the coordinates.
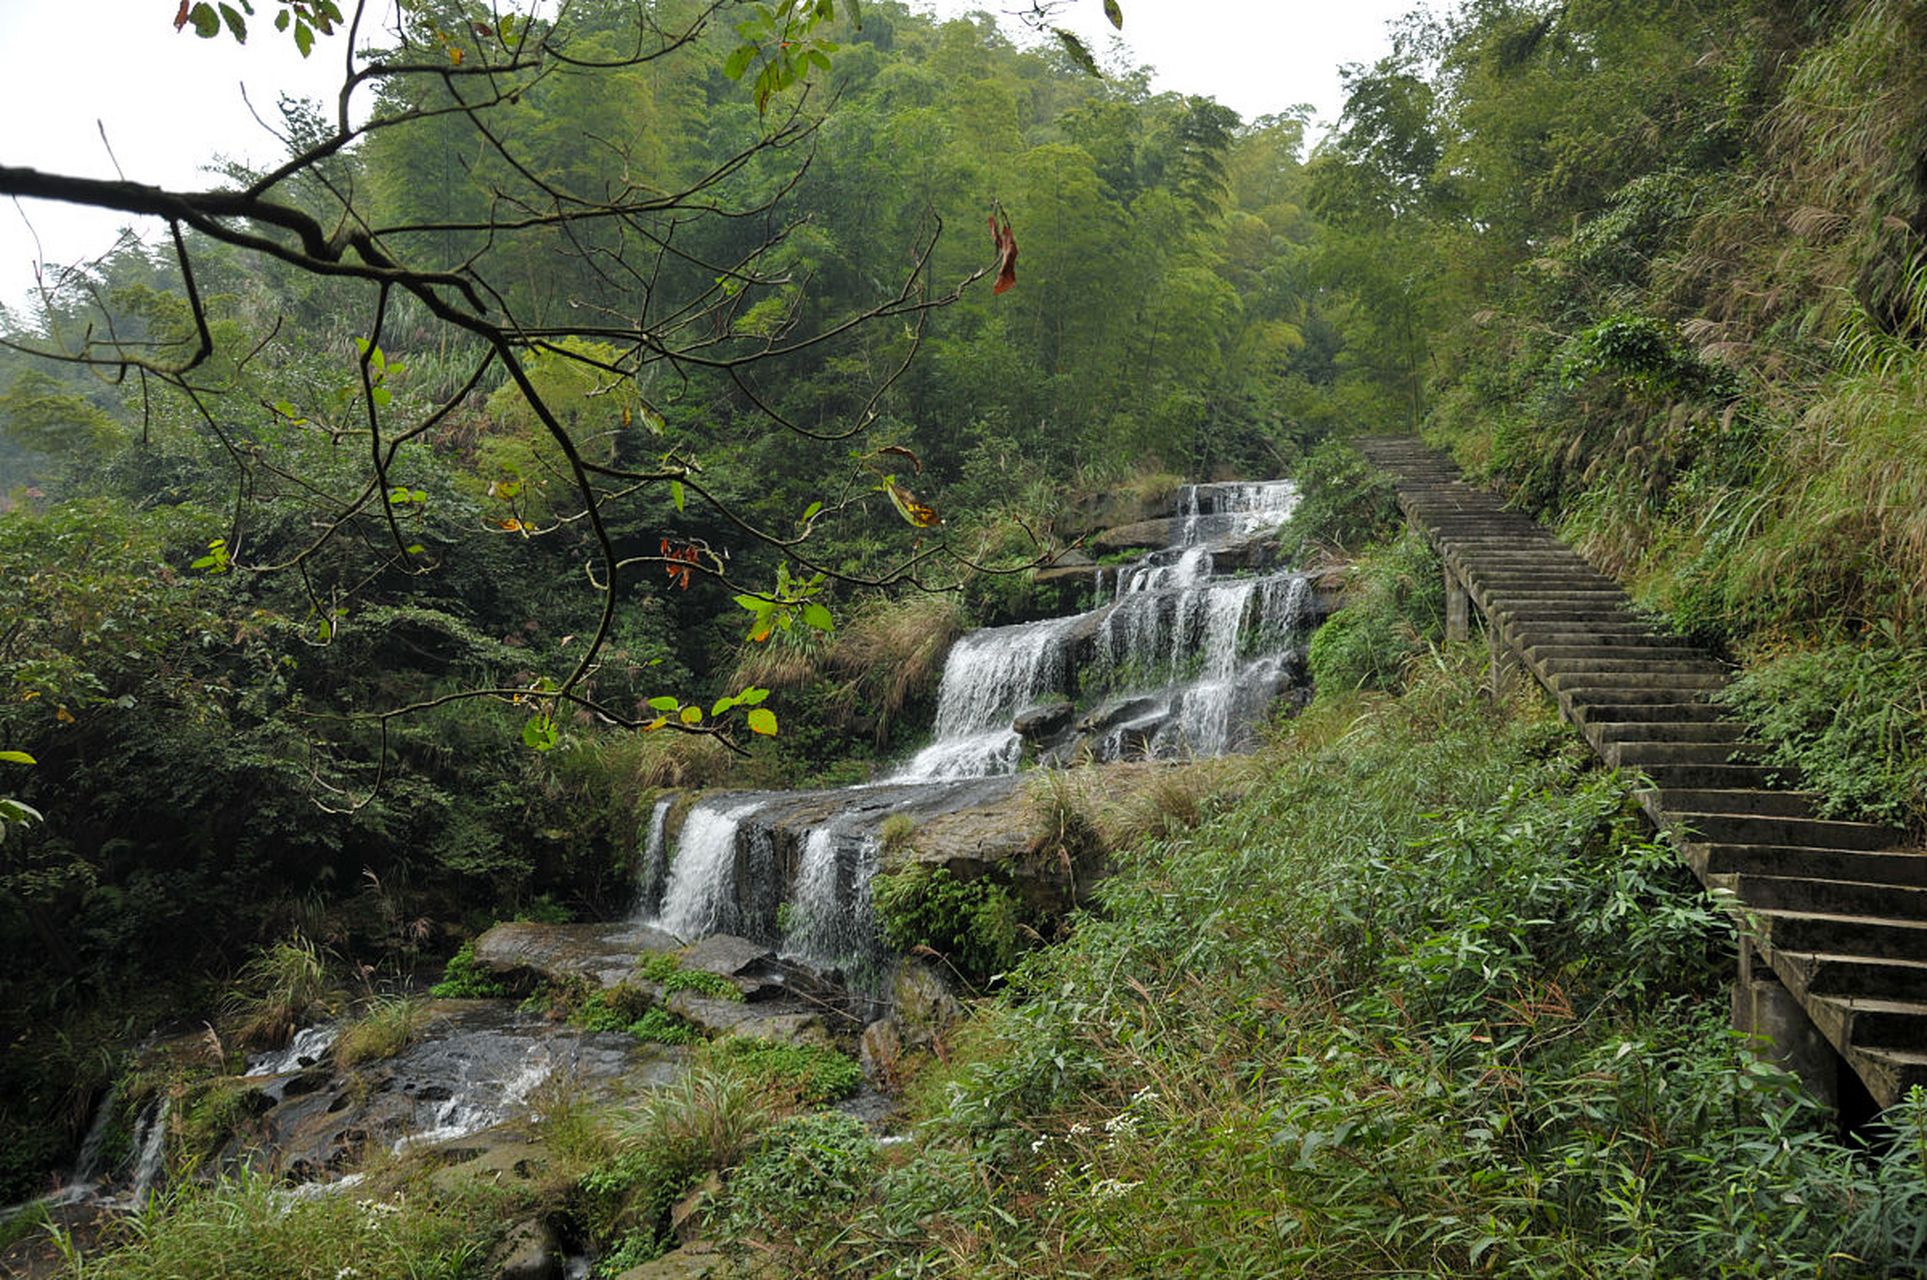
(655, 860)
(990, 676)
(1181, 661)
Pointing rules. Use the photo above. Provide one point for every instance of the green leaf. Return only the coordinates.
(1115, 13)
(722, 705)
(540, 733)
(303, 37)
(17, 757)
(235, 23)
(691, 715)
(763, 721)
(675, 493)
(738, 62)
(417, 549)
(1075, 48)
(752, 696)
(207, 23)
(810, 511)
(817, 616)
(281, 21)
(664, 703)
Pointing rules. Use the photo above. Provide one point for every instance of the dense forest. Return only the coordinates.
(1656, 271)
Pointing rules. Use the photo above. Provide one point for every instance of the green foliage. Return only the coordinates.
(1426, 1000)
(811, 1074)
(666, 970)
(383, 1030)
(971, 924)
(283, 988)
(796, 1182)
(1343, 502)
(257, 1232)
(464, 979)
(1850, 720)
(1393, 613)
(659, 1026)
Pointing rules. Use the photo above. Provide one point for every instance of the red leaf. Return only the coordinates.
(180, 16)
(1006, 245)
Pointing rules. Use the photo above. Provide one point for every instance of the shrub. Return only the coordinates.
(972, 924)
(1394, 609)
(387, 1027)
(811, 1074)
(1344, 502)
(284, 987)
(805, 1168)
(1852, 719)
(464, 979)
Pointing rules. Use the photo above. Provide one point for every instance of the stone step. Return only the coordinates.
(1831, 897)
(1718, 777)
(1667, 707)
(1599, 684)
(1824, 974)
(1630, 666)
(1883, 867)
(1514, 617)
(1746, 800)
(1872, 1023)
(1627, 637)
(1871, 936)
(1814, 833)
(1639, 754)
(1600, 732)
(1530, 577)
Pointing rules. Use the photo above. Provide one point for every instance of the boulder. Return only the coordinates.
(530, 1251)
(1141, 535)
(722, 954)
(601, 954)
(1041, 724)
(691, 1262)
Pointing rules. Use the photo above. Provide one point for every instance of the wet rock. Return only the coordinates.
(722, 954)
(1131, 712)
(691, 1262)
(1042, 724)
(1141, 535)
(1070, 566)
(602, 954)
(530, 1251)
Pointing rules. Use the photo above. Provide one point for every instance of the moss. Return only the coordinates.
(464, 979)
(667, 971)
(813, 1074)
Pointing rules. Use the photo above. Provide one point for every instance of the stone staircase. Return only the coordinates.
(1834, 914)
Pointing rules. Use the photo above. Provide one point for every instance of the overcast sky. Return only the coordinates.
(169, 103)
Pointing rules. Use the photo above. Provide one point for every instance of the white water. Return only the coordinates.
(655, 860)
(480, 1100)
(991, 675)
(1180, 662)
(302, 1052)
(832, 924)
(700, 893)
(150, 1146)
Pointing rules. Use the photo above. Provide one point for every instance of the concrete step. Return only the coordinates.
(1665, 707)
(1814, 833)
(1849, 935)
(1545, 576)
(1881, 867)
(1831, 897)
(1630, 666)
(1872, 1022)
(1889, 1073)
(1820, 973)
(1604, 734)
(1718, 776)
(1598, 684)
(1759, 804)
(1639, 754)
(1513, 617)
(1566, 649)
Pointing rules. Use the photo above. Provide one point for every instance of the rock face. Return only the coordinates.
(1141, 535)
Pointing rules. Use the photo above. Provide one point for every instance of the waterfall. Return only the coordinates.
(303, 1051)
(655, 861)
(831, 923)
(699, 896)
(150, 1148)
(991, 675)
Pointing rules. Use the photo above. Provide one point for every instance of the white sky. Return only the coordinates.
(169, 103)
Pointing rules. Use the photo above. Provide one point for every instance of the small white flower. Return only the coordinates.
(1078, 1130)
(1038, 1145)
(1111, 1188)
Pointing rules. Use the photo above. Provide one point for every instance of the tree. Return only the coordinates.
(574, 273)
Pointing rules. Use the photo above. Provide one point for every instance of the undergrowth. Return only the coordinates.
(1428, 1000)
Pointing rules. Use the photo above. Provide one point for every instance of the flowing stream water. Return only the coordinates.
(1176, 660)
